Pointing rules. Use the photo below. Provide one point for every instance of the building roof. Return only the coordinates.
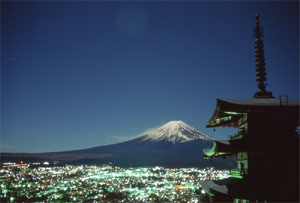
(228, 111)
(224, 147)
(264, 102)
(221, 186)
(210, 186)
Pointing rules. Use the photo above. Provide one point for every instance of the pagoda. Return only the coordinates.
(266, 145)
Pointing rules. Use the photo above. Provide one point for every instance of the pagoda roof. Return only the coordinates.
(219, 186)
(224, 148)
(228, 111)
(262, 102)
(231, 187)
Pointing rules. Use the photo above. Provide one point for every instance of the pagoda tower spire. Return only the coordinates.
(260, 63)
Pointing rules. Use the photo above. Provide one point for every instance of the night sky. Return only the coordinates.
(82, 74)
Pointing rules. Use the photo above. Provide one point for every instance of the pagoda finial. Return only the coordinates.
(260, 63)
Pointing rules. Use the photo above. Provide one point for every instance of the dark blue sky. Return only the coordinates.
(82, 74)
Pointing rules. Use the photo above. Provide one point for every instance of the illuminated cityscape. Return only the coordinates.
(42, 182)
(98, 100)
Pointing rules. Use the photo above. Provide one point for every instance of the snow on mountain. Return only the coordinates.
(175, 132)
(174, 144)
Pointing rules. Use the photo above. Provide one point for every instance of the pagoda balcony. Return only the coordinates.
(238, 173)
(239, 135)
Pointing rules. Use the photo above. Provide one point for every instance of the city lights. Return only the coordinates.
(106, 182)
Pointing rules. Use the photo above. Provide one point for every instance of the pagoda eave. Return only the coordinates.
(228, 112)
(222, 148)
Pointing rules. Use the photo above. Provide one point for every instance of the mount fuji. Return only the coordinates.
(175, 132)
(174, 144)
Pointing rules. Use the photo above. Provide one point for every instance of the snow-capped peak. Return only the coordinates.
(174, 124)
(175, 132)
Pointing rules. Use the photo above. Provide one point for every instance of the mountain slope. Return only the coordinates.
(173, 144)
